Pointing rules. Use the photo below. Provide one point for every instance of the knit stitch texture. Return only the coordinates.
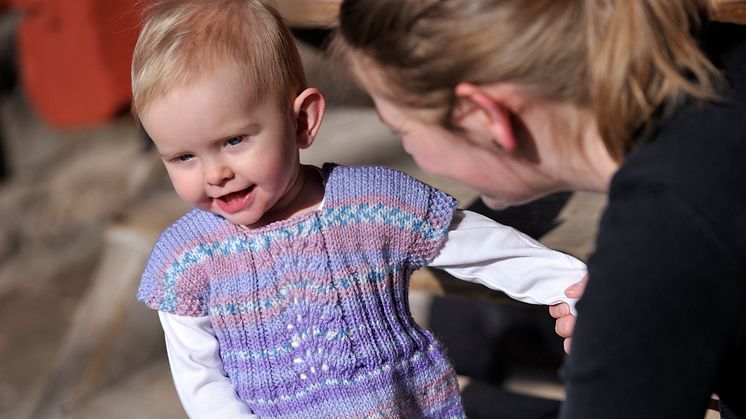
(311, 313)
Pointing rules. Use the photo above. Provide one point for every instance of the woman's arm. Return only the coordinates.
(204, 389)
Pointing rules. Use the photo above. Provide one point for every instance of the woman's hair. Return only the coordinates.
(182, 40)
(623, 59)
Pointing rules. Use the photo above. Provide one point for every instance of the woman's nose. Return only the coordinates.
(216, 172)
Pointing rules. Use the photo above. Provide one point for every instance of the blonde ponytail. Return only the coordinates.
(644, 57)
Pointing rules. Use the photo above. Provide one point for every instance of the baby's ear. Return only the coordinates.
(309, 108)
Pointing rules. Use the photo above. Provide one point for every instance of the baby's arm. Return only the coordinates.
(204, 389)
(481, 250)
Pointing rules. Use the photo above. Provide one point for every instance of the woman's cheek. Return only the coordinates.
(426, 157)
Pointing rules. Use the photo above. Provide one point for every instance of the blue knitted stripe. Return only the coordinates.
(339, 216)
(380, 214)
(359, 214)
(276, 277)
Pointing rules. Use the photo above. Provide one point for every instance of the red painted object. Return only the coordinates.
(74, 57)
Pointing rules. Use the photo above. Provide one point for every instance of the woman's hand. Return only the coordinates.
(565, 321)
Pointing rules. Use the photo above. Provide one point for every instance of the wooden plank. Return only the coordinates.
(732, 11)
(111, 334)
(309, 13)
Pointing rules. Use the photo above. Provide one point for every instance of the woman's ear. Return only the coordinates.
(478, 109)
(308, 108)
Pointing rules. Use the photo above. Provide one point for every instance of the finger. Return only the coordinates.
(559, 310)
(564, 326)
(576, 290)
(566, 345)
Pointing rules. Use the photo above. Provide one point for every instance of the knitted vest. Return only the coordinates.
(311, 313)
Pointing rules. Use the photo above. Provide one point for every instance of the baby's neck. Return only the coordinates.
(305, 196)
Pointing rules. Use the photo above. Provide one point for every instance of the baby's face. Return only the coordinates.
(225, 152)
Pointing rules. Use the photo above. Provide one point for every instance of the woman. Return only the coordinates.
(644, 100)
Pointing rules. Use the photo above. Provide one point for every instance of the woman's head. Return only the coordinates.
(426, 47)
(615, 62)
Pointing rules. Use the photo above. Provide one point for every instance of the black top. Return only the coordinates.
(662, 324)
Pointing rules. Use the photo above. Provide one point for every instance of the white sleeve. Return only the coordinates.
(483, 251)
(201, 383)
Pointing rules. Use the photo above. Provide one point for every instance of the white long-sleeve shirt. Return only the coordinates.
(477, 249)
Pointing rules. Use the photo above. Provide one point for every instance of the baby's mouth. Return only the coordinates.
(235, 201)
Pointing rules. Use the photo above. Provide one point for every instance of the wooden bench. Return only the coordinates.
(309, 13)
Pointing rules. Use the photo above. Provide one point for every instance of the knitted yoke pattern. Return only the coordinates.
(311, 313)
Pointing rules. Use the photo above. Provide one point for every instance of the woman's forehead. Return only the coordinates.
(365, 71)
(381, 84)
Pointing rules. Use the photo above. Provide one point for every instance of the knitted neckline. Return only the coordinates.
(274, 225)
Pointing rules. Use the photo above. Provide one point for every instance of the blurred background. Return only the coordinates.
(83, 198)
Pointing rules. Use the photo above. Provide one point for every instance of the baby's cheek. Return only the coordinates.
(191, 192)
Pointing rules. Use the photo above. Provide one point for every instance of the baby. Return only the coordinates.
(283, 293)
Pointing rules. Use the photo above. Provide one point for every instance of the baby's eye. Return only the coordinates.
(183, 157)
(236, 140)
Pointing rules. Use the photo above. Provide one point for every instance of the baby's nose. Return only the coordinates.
(216, 172)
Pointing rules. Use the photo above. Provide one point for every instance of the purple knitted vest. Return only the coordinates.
(311, 313)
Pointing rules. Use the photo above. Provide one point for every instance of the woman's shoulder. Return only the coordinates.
(725, 45)
(700, 147)
(694, 162)
(695, 157)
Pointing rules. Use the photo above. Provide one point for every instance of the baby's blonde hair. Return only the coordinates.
(182, 40)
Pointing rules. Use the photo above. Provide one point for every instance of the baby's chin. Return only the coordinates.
(244, 220)
(241, 218)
